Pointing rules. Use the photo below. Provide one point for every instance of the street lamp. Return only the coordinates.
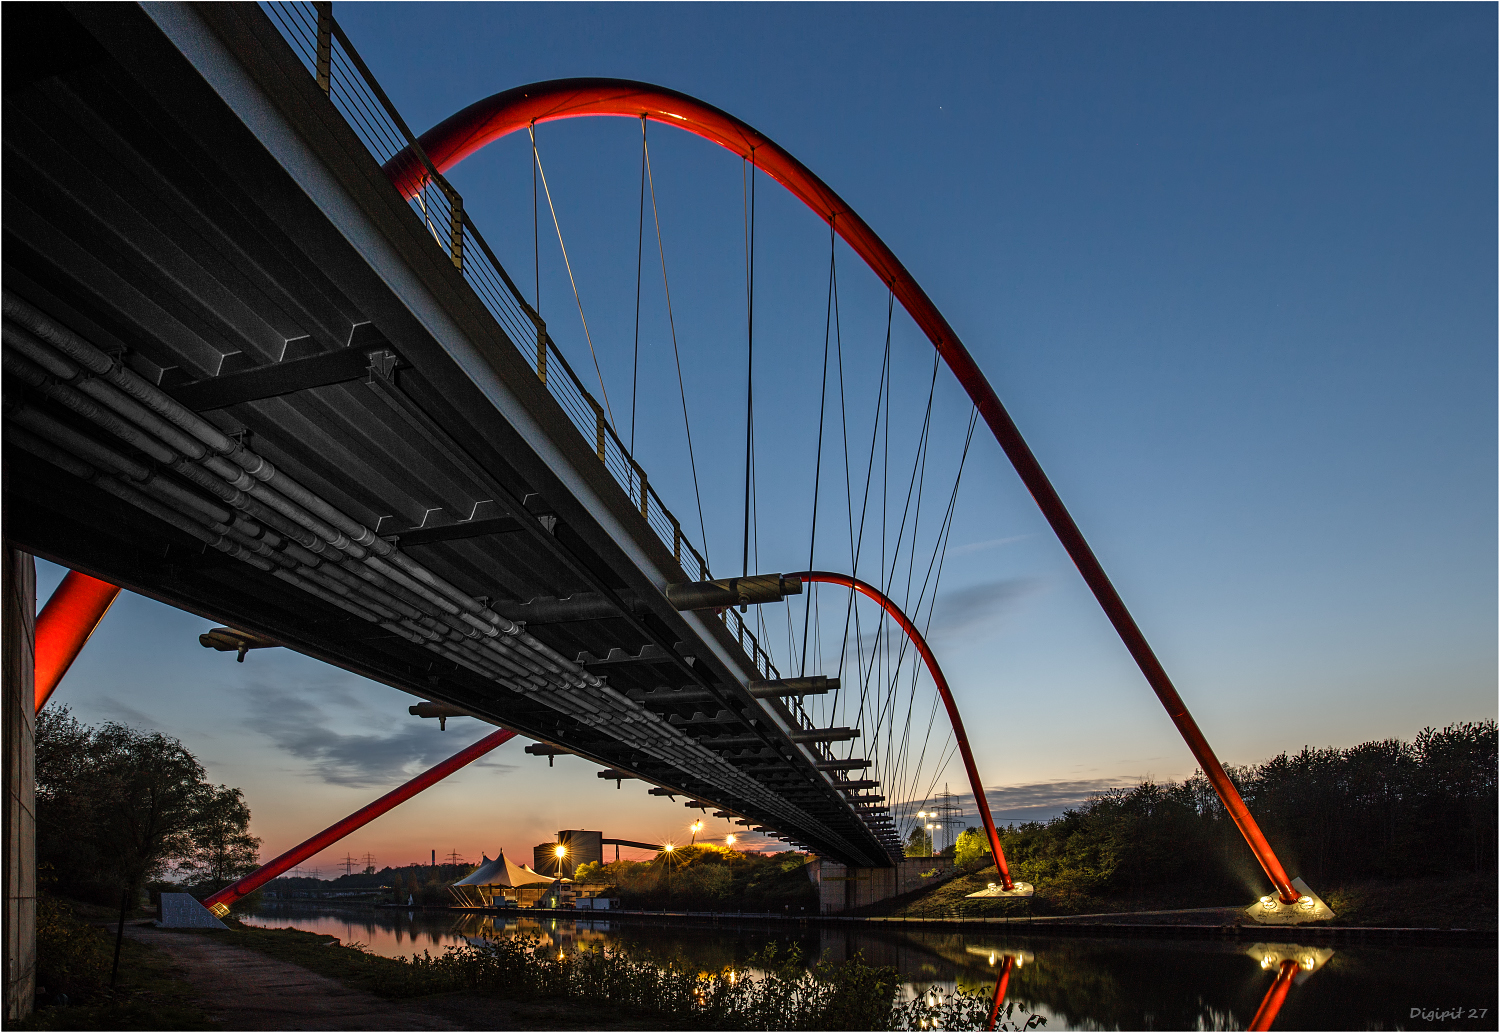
(729, 840)
(697, 826)
(560, 852)
(931, 849)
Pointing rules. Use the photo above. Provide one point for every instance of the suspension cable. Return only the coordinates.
(672, 324)
(640, 239)
(864, 509)
(536, 240)
(812, 543)
(568, 263)
(749, 349)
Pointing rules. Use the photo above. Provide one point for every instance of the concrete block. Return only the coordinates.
(182, 911)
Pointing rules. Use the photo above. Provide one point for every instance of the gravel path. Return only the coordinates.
(243, 989)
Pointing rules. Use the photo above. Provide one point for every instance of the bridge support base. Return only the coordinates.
(1021, 889)
(841, 888)
(1272, 910)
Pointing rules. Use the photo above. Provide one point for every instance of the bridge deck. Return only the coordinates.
(178, 191)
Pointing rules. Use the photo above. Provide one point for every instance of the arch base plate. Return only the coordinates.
(1022, 889)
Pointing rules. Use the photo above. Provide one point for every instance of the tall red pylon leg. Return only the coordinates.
(65, 624)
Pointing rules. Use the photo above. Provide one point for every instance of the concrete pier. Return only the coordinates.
(18, 640)
(841, 888)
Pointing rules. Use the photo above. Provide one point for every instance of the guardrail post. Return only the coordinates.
(644, 497)
(676, 539)
(456, 227)
(325, 45)
(541, 351)
(598, 427)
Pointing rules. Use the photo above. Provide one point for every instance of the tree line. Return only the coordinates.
(1383, 809)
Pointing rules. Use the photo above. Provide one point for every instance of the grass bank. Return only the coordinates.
(1444, 902)
(74, 956)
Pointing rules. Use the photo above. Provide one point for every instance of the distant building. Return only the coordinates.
(578, 847)
(582, 847)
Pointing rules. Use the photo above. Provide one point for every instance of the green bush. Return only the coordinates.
(708, 878)
(72, 958)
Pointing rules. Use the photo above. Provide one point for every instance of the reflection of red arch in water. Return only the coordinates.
(488, 120)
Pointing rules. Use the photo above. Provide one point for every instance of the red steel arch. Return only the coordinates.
(941, 681)
(485, 121)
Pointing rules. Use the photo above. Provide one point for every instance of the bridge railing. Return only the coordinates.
(318, 40)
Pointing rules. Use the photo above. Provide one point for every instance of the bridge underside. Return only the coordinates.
(179, 193)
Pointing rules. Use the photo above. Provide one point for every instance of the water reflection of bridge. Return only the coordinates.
(1104, 982)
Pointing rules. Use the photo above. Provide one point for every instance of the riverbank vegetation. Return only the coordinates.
(1387, 831)
(705, 878)
(118, 808)
(776, 989)
(74, 956)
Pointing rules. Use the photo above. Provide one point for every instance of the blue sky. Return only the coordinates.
(1232, 269)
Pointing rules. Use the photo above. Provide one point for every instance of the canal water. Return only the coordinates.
(1074, 983)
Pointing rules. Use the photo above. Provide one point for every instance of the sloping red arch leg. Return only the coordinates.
(488, 120)
(941, 681)
(220, 901)
(77, 606)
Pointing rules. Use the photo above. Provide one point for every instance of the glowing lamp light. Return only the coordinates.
(1306, 903)
(1268, 903)
(697, 826)
(993, 886)
(561, 851)
(667, 847)
(729, 840)
(992, 957)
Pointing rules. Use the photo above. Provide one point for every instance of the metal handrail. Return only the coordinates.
(319, 41)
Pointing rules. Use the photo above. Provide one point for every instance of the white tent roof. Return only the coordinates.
(501, 872)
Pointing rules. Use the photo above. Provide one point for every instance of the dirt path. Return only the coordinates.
(243, 989)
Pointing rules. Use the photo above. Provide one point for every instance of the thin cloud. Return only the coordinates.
(300, 727)
(124, 713)
(979, 607)
(993, 543)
